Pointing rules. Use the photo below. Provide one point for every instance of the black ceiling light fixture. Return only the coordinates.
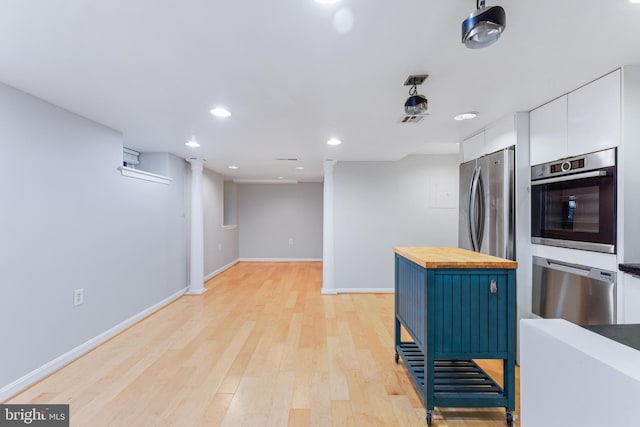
(484, 26)
(416, 104)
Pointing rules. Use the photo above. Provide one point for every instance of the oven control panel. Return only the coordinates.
(567, 166)
(587, 162)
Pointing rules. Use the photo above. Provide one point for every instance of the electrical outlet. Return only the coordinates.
(291, 241)
(78, 297)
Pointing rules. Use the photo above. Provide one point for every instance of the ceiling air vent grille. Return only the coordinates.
(416, 79)
(288, 159)
(411, 119)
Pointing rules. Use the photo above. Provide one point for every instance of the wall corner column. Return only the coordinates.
(196, 260)
(328, 232)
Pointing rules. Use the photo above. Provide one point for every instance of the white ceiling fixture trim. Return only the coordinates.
(192, 143)
(466, 116)
(220, 112)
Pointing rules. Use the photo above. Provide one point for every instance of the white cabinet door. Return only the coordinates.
(631, 299)
(548, 131)
(501, 134)
(473, 147)
(594, 116)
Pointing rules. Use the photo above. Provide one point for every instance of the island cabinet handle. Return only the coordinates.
(493, 288)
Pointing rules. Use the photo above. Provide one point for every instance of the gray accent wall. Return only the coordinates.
(269, 215)
(69, 220)
(379, 205)
(220, 245)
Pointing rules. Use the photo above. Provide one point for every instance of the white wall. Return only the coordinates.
(230, 203)
(271, 214)
(69, 220)
(379, 205)
(220, 245)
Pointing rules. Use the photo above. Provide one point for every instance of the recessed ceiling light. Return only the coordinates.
(221, 112)
(634, 1)
(233, 167)
(466, 116)
(192, 143)
(334, 141)
(299, 168)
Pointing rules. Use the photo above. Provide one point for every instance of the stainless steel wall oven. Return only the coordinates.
(573, 202)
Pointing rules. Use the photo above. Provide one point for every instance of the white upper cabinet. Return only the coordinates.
(473, 147)
(501, 134)
(594, 116)
(548, 131)
(496, 136)
(583, 121)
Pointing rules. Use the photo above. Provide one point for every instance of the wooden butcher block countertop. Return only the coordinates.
(433, 257)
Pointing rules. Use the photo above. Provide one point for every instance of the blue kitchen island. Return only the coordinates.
(456, 306)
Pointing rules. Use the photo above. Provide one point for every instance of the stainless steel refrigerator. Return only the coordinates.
(487, 209)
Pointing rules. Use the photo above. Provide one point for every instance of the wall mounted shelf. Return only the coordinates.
(147, 176)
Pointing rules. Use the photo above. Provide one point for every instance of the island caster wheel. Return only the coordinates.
(509, 419)
(397, 357)
(429, 418)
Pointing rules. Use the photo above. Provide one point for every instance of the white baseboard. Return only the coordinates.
(220, 270)
(328, 291)
(32, 377)
(280, 259)
(365, 290)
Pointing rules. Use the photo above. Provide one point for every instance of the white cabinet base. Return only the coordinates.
(631, 299)
(570, 376)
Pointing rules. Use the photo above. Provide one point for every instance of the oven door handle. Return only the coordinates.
(583, 175)
(591, 272)
(569, 268)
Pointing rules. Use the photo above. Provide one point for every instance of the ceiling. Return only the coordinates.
(295, 73)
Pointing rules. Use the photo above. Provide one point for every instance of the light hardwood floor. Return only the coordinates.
(262, 347)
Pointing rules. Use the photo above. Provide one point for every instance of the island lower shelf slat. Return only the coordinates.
(456, 382)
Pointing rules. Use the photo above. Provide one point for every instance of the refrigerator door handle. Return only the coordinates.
(473, 199)
(482, 211)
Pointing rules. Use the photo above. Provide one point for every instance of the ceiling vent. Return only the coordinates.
(411, 119)
(287, 159)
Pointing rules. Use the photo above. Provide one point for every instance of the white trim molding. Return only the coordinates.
(230, 227)
(49, 368)
(220, 270)
(280, 259)
(147, 176)
(364, 291)
(265, 181)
